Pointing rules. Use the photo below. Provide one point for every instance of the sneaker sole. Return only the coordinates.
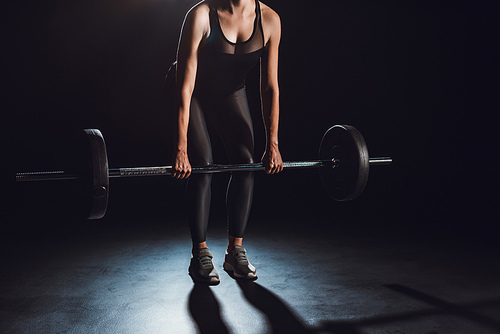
(229, 268)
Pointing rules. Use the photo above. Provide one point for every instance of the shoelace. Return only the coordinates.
(241, 257)
(205, 261)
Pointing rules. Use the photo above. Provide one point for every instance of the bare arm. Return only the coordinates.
(194, 30)
(270, 91)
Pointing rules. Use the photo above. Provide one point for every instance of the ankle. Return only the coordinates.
(233, 242)
(199, 246)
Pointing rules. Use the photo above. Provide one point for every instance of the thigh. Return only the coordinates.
(199, 146)
(233, 123)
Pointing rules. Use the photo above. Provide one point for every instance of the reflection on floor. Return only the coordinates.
(103, 278)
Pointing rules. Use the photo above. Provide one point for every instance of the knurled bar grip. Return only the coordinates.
(167, 170)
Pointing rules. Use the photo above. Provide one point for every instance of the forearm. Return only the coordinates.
(181, 135)
(182, 121)
(270, 115)
(184, 92)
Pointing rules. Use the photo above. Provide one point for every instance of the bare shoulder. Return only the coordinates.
(269, 17)
(200, 8)
(271, 24)
(198, 15)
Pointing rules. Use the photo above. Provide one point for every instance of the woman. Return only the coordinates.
(220, 41)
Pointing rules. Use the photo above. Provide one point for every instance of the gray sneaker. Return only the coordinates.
(201, 268)
(236, 263)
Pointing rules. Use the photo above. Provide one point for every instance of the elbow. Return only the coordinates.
(184, 94)
(270, 91)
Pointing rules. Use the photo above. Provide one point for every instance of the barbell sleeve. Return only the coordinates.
(380, 161)
(46, 176)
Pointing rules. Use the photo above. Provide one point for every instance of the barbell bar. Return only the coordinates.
(167, 170)
(343, 163)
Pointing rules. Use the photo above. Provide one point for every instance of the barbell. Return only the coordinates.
(343, 164)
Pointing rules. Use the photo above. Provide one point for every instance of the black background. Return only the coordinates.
(419, 79)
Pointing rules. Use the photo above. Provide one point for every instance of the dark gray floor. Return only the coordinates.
(102, 278)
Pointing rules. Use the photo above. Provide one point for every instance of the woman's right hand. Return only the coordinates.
(181, 167)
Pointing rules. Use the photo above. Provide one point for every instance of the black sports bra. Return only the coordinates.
(223, 65)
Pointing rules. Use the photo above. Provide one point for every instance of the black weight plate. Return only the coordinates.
(347, 180)
(98, 176)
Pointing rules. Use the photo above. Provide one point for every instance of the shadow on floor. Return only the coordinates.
(281, 318)
(439, 307)
(205, 310)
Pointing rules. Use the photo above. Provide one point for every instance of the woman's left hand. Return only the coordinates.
(272, 160)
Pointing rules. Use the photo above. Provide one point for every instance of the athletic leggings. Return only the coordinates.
(230, 118)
